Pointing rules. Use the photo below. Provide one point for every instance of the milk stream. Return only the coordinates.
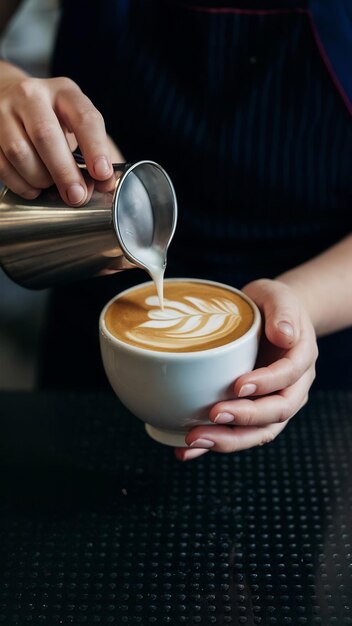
(154, 262)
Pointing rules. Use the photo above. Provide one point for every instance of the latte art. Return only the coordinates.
(187, 323)
(195, 316)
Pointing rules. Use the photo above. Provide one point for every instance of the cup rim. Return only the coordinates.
(253, 330)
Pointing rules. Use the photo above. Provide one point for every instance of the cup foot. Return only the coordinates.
(167, 437)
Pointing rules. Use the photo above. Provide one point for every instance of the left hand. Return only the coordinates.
(266, 398)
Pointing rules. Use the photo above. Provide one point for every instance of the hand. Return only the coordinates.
(41, 122)
(266, 398)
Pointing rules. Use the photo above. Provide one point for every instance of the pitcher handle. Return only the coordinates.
(77, 155)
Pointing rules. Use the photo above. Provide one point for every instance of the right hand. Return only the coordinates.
(41, 122)
(265, 399)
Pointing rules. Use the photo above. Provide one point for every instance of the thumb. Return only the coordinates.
(280, 308)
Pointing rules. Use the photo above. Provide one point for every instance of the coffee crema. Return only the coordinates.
(196, 316)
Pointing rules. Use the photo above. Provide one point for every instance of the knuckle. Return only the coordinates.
(28, 88)
(248, 417)
(267, 437)
(43, 132)
(65, 83)
(283, 417)
(17, 151)
(290, 369)
(295, 372)
(246, 420)
(229, 447)
(89, 116)
(231, 444)
(64, 173)
(286, 412)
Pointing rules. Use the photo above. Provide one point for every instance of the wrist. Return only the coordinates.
(305, 296)
(8, 71)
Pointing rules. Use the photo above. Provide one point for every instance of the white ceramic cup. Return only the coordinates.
(174, 391)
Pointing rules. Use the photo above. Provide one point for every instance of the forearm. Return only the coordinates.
(324, 285)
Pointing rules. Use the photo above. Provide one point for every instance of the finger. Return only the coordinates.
(281, 311)
(45, 132)
(70, 138)
(186, 454)
(87, 123)
(19, 151)
(115, 153)
(90, 188)
(278, 375)
(276, 408)
(227, 439)
(106, 185)
(12, 179)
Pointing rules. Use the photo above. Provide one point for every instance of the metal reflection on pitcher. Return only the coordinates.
(44, 242)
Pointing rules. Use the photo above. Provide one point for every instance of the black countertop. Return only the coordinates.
(101, 525)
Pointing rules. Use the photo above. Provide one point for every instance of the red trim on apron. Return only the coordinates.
(267, 12)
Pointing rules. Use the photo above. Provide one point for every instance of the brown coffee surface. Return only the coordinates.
(196, 316)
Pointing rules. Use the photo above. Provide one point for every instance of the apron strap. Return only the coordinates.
(331, 22)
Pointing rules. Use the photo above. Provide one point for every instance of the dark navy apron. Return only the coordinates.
(247, 105)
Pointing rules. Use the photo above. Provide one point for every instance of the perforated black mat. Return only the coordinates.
(100, 525)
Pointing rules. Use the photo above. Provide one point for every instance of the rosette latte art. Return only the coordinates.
(195, 317)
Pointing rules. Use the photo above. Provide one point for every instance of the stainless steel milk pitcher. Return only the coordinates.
(44, 242)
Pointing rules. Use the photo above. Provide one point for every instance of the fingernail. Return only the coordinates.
(286, 328)
(224, 418)
(101, 166)
(76, 193)
(31, 194)
(202, 443)
(192, 454)
(247, 390)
